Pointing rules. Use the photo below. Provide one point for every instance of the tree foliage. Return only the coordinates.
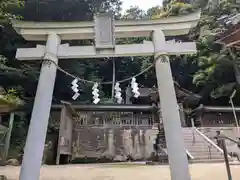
(216, 71)
(5, 15)
(10, 97)
(210, 72)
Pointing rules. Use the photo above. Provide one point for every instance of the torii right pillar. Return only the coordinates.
(177, 156)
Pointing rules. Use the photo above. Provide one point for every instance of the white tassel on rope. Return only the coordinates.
(75, 89)
(118, 94)
(135, 89)
(95, 93)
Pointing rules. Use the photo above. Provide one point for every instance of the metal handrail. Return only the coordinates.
(189, 154)
(193, 135)
(230, 139)
(210, 142)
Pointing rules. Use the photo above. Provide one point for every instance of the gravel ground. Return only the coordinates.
(123, 172)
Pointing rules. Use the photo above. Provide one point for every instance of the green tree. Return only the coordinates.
(211, 71)
(216, 65)
(22, 74)
(5, 15)
(8, 96)
(134, 13)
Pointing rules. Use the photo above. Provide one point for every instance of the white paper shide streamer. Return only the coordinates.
(75, 89)
(135, 89)
(95, 93)
(118, 94)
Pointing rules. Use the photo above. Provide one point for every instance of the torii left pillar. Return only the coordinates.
(33, 152)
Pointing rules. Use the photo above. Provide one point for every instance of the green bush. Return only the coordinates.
(10, 98)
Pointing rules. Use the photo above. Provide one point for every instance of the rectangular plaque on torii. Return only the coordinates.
(104, 30)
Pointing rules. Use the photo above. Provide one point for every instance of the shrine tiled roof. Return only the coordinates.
(231, 36)
(181, 93)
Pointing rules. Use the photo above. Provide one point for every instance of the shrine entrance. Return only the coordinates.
(105, 30)
(106, 133)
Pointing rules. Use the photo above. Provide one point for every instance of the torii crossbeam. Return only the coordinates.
(104, 30)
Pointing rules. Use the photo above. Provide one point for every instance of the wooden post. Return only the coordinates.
(8, 137)
(61, 126)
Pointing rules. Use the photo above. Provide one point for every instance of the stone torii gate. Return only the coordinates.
(104, 30)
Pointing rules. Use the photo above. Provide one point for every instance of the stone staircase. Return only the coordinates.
(201, 148)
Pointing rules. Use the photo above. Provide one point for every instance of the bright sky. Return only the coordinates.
(143, 4)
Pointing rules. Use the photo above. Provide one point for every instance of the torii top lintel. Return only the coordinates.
(171, 26)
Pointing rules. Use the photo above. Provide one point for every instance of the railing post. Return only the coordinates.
(222, 143)
(225, 153)
(9, 133)
(192, 123)
(193, 129)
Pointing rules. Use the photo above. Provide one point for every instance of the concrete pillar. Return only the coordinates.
(170, 112)
(34, 147)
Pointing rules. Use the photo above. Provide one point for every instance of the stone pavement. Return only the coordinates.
(124, 171)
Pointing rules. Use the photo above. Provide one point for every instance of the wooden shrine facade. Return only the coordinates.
(115, 132)
(231, 37)
(215, 116)
(112, 131)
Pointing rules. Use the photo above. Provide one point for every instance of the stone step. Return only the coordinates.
(192, 139)
(197, 143)
(207, 160)
(203, 150)
(201, 147)
(206, 155)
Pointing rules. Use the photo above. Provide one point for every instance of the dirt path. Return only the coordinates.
(124, 172)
